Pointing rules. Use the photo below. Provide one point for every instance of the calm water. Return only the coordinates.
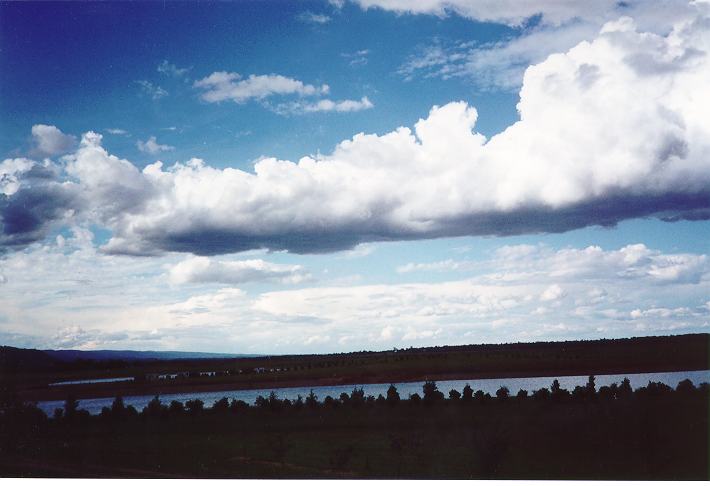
(637, 380)
(95, 380)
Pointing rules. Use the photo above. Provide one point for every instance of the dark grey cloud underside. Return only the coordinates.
(28, 216)
(602, 212)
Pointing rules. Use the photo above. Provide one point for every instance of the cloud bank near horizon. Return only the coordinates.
(517, 292)
(609, 130)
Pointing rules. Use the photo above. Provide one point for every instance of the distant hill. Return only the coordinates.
(128, 355)
(20, 359)
(12, 359)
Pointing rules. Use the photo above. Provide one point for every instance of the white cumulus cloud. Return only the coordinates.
(326, 105)
(512, 12)
(221, 86)
(64, 293)
(206, 270)
(501, 64)
(49, 140)
(151, 146)
(612, 129)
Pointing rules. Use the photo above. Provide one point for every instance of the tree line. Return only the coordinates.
(656, 430)
(12, 409)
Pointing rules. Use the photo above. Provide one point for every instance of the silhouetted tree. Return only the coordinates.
(502, 393)
(579, 393)
(415, 398)
(625, 390)
(70, 407)
(392, 395)
(454, 395)
(238, 405)
(176, 407)
(105, 413)
(274, 402)
(431, 392)
(685, 387)
(591, 387)
(155, 408)
(467, 395)
(654, 389)
(312, 400)
(541, 394)
(522, 393)
(557, 393)
(605, 393)
(357, 397)
(118, 408)
(194, 407)
(221, 405)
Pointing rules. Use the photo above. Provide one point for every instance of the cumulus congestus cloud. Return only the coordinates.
(611, 129)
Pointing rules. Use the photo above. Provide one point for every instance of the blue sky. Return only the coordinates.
(351, 175)
(85, 63)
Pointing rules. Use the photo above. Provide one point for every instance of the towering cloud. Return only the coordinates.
(611, 129)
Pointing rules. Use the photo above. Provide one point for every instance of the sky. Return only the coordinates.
(329, 176)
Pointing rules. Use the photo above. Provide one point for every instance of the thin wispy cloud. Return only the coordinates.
(170, 69)
(152, 90)
(513, 13)
(224, 86)
(313, 18)
(357, 58)
(501, 64)
(325, 105)
(117, 131)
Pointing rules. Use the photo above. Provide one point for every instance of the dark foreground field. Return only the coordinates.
(611, 433)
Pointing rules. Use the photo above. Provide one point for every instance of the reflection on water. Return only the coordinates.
(93, 380)
(94, 405)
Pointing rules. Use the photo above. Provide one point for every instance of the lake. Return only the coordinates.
(94, 405)
(93, 380)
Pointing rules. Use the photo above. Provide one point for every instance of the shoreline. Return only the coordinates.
(89, 391)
